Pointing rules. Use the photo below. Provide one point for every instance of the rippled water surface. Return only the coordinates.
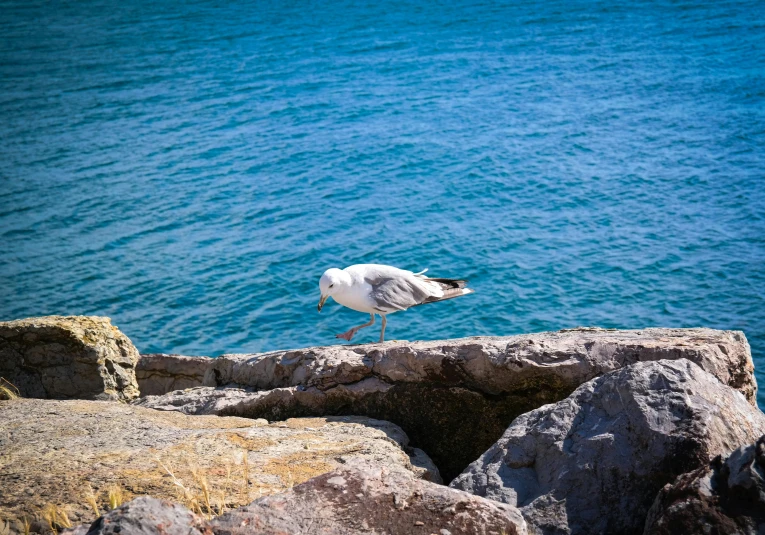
(191, 168)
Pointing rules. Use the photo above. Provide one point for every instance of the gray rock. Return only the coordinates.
(68, 357)
(146, 516)
(371, 498)
(594, 462)
(69, 453)
(158, 373)
(725, 497)
(454, 398)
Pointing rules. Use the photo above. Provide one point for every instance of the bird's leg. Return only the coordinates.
(347, 335)
(382, 331)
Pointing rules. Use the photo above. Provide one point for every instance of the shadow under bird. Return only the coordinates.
(380, 289)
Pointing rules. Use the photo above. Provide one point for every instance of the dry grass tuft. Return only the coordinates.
(206, 499)
(8, 391)
(116, 496)
(220, 503)
(201, 481)
(228, 482)
(55, 517)
(245, 493)
(90, 498)
(185, 495)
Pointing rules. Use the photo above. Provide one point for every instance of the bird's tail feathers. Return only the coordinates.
(455, 292)
(450, 288)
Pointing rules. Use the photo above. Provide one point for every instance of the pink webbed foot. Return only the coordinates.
(346, 335)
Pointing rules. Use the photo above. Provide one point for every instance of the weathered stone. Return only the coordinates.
(359, 497)
(158, 373)
(68, 357)
(371, 498)
(727, 497)
(146, 516)
(56, 452)
(456, 397)
(594, 462)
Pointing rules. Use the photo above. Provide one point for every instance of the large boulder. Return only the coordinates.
(725, 497)
(594, 462)
(371, 498)
(68, 357)
(159, 373)
(70, 453)
(455, 397)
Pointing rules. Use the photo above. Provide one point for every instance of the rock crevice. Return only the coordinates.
(159, 373)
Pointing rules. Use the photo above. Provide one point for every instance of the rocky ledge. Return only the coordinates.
(454, 398)
(575, 432)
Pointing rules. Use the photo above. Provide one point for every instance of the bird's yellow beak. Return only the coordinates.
(321, 301)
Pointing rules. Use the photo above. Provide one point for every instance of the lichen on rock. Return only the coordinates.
(68, 357)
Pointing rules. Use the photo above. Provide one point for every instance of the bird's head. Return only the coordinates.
(330, 283)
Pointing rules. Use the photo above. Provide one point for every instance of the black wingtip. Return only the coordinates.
(451, 283)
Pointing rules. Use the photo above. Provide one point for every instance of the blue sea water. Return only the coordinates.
(191, 168)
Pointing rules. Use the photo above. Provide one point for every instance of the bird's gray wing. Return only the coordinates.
(390, 294)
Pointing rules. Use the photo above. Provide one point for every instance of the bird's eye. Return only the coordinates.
(331, 285)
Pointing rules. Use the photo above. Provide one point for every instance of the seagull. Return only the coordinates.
(380, 289)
